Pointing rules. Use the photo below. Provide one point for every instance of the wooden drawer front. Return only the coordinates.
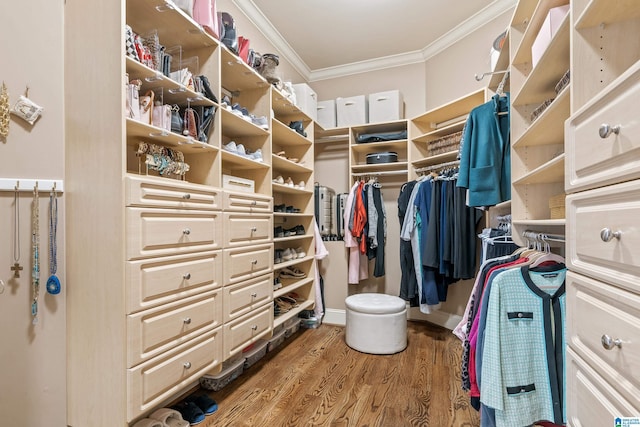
(242, 229)
(154, 381)
(616, 208)
(159, 329)
(156, 232)
(591, 401)
(242, 332)
(163, 280)
(242, 298)
(141, 191)
(246, 263)
(247, 202)
(593, 161)
(596, 310)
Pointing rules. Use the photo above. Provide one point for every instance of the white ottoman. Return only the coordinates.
(376, 323)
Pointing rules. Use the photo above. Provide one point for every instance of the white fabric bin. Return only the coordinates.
(386, 106)
(306, 100)
(352, 111)
(327, 114)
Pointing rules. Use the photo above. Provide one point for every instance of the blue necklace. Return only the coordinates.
(53, 283)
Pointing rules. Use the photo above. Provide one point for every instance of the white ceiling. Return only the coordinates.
(329, 38)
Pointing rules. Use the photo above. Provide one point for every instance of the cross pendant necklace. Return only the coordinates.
(16, 235)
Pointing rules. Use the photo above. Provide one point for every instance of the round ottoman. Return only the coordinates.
(376, 323)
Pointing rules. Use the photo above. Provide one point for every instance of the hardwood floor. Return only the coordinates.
(315, 379)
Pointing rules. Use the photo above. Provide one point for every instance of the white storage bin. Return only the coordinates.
(352, 111)
(549, 29)
(327, 114)
(306, 100)
(386, 106)
(235, 183)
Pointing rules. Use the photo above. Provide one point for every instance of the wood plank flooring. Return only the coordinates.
(315, 379)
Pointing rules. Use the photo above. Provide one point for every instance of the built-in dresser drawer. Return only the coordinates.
(156, 281)
(247, 262)
(603, 138)
(603, 326)
(157, 232)
(247, 202)
(152, 382)
(246, 330)
(243, 229)
(154, 331)
(603, 234)
(591, 401)
(160, 192)
(244, 297)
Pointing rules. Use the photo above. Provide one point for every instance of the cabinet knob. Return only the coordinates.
(609, 343)
(186, 231)
(187, 365)
(254, 202)
(254, 229)
(186, 196)
(606, 130)
(186, 276)
(254, 327)
(607, 235)
(254, 295)
(254, 262)
(187, 321)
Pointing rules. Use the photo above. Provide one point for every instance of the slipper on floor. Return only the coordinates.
(169, 418)
(190, 412)
(204, 402)
(148, 422)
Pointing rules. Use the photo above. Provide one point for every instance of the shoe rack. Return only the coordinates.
(292, 187)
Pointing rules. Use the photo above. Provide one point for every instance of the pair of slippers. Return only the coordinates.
(191, 411)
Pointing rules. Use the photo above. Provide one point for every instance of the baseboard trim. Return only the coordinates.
(337, 317)
(334, 316)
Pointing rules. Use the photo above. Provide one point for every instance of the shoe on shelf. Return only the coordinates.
(278, 180)
(288, 254)
(300, 252)
(289, 182)
(241, 151)
(259, 121)
(289, 209)
(256, 155)
(298, 127)
(299, 230)
(226, 102)
(231, 147)
(277, 284)
(277, 256)
(292, 273)
(279, 208)
(301, 185)
(278, 232)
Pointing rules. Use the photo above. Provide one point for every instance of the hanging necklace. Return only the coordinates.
(16, 234)
(53, 283)
(35, 246)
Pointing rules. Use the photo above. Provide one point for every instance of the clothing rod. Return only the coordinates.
(21, 184)
(379, 173)
(437, 166)
(489, 73)
(543, 237)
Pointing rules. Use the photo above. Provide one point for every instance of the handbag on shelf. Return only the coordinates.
(190, 125)
(146, 107)
(205, 13)
(162, 116)
(133, 101)
(177, 124)
(243, 49)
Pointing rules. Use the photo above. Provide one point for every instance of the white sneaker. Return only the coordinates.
(289, 182)
(301, 253)
(301, 185)
(231, 147)
(240, 150)
(256, 155)
(278, 180)
(289, 254)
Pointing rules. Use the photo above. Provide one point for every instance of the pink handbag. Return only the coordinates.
(205, 14)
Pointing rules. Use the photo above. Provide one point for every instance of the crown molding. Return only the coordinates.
(476, 21)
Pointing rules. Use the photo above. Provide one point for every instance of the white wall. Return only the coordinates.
(32, 357)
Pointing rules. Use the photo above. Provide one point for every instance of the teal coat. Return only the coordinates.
(485, 156)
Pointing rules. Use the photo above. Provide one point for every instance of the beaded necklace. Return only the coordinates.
(35, 249)
(53, 283)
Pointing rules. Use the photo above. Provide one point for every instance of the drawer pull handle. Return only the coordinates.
(254, 295)
(187, 276)
(186, 231)
(254, 327)
(609, 343)
(607, 235)
(254, 262)
(254, 229)
(187, 321)
(186, 196)
(606, 130)
(187, 365)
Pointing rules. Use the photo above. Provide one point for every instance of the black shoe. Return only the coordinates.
(279, 208)
(297, 126)
(278, 232)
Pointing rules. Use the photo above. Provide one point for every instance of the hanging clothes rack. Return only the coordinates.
(437, 167)
(489, 73)
(374, 174)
